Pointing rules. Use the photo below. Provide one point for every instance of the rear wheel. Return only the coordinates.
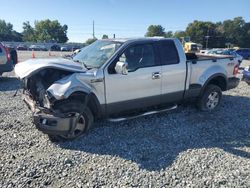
(210, 99)
(84, 119)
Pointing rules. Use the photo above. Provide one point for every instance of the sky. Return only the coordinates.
(125, 18)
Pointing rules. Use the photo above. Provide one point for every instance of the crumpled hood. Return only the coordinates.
(32, 66)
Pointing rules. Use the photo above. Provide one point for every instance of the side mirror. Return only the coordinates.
(121, 68)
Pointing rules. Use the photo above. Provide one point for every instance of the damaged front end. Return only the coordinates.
(41, 103)
(38, 79)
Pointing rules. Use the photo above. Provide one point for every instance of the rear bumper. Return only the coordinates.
(233, 83)
(246, 76)
(49, 122)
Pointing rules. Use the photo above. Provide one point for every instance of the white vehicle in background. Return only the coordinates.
(222, 52)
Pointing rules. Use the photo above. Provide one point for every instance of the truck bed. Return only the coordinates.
(201, 57)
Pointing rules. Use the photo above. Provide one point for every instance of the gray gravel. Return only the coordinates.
(184, 148)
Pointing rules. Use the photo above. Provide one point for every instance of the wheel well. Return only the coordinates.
(219, 81)
(92, 102)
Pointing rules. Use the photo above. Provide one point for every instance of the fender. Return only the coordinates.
(214, 76)
(64, 87)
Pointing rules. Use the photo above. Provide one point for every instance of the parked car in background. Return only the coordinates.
(22, 47)
(65, 49)
(55, 47)
(246, 75)
(238, 57)
(13, 55)
(6, 64)
(38, 48)
(244, 52)
(74, 48)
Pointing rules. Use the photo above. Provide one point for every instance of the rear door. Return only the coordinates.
(141, 87)
(173, 71)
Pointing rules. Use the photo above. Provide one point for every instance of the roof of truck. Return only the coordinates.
(138, 39)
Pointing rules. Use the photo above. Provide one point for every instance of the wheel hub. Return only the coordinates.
(213, 100)
(78, 129)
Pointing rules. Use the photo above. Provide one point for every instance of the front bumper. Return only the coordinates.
(48, 121)
(233, 83)
(53, 124)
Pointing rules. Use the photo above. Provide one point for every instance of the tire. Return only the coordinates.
(84, 116)
(210, 98)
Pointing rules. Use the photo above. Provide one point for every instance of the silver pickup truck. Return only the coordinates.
(121, 79)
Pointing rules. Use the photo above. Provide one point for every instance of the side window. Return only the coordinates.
(139, 56)
(168, 52)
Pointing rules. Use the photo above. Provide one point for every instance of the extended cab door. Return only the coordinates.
(141, 87)
(173, 70)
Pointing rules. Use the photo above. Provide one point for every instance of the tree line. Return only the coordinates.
(43, 31)
(213, 35)
(235, 32)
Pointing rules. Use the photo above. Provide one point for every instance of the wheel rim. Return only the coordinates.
(213, 100)
(78, 129)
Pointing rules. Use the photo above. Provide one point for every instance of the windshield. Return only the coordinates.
(194, 47)
(96, 54)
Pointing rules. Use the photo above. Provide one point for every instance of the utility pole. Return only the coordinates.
(207, 37)
(93, 29)
(114, 36)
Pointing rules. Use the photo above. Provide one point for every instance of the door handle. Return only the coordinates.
(156, 75)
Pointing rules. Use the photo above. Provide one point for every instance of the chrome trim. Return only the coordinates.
(141, 115)
(156, 75)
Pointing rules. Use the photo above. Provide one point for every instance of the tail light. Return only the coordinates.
(7, 54)
(236, 70)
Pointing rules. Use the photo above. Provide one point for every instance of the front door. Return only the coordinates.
(141, 87)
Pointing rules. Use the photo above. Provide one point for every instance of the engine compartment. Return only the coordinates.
(36, 85)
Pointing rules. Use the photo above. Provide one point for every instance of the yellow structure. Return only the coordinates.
(191, 47)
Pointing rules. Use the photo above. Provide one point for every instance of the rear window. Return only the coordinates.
(168, 53)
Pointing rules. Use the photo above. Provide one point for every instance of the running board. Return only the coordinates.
(141, 115)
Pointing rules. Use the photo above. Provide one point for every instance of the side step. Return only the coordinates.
(143, 114)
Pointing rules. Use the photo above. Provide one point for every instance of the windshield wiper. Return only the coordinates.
(83, 64)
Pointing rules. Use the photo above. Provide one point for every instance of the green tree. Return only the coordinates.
(28, 32)
(179, 34)
(169, 34)
(90, 41)
(155, 30)
(7, 33)
(245, 40)
(234, 30)
(198, 30)
(105, 36)
(47, 30)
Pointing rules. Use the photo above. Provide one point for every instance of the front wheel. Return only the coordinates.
(210, 99)
(84, 119)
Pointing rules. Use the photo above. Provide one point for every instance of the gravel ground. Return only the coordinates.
(184, 148)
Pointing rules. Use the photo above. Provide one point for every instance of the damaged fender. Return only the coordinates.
(64, 87)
